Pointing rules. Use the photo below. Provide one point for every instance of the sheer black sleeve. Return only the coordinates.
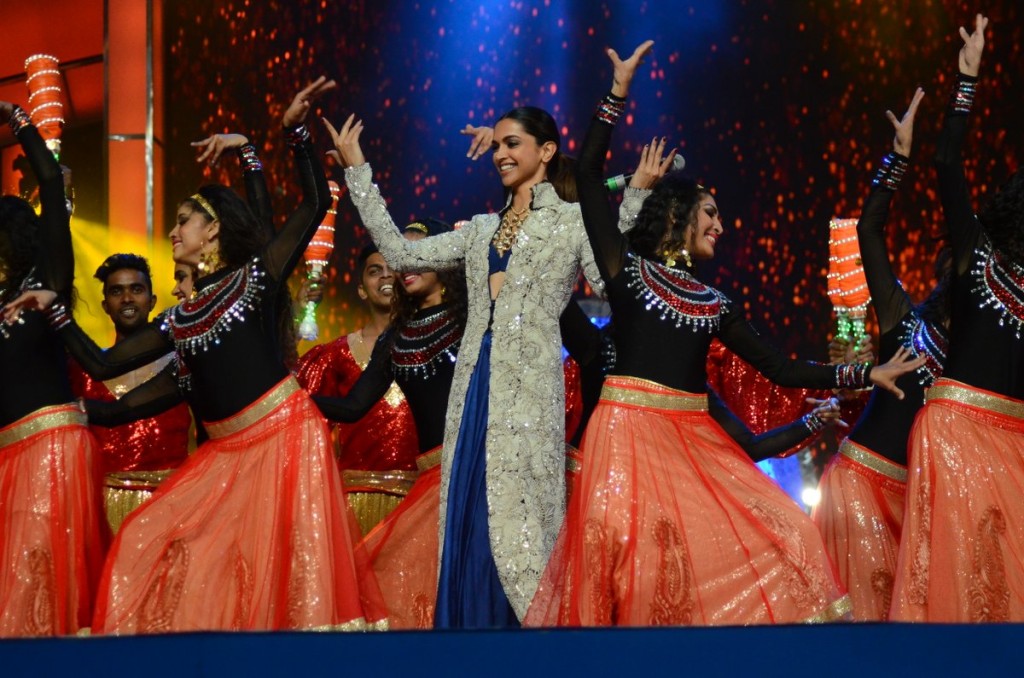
(157, 395)
(891, 302)
(140, 349)
(965, 232)
(256, 190)
(283, 252)
(369, 388)
(56, 261)
(757, 446)
(581, 338)
(601, 222)
(737, 334)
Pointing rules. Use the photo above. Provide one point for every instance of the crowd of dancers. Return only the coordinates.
(455, 398)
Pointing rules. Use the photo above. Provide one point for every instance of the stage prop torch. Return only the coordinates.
(847, 285)
(317, 254)
(45, 99)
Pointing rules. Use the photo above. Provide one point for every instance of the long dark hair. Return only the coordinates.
(674, 201)
(1003, 219)
(539, 124)
(241, 237)
(19, 241)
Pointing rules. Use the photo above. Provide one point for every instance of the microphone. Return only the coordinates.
(619, 182)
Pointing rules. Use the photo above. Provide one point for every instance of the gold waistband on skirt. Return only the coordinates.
(53, 416)
(650, 394)
(873, 460)
(957, 392)
(269, 402)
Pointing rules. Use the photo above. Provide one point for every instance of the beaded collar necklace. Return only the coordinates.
(424, 342)
(1001, 286)
(678, 296)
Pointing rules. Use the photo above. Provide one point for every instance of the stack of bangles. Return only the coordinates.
(891, 171)
(963, 95)
(610, 109)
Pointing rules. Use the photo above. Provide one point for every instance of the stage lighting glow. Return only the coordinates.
(811, 496)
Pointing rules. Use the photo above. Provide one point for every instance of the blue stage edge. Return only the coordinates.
(792, 651)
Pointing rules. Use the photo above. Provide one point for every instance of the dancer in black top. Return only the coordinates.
(962, 551)
(50, 551)
(661, 483)
(252, 532)
(864, 487)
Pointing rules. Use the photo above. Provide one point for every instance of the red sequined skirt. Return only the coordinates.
(861, 517)
(962, 554)
(50, 546)
(251, 533)
(671, 523)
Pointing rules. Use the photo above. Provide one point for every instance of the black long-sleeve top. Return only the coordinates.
(161, 392)
(587, 345)
(884, 426)
(226, 338)
(665, 318)
(420, 357)
(32, 360)
(985, 345)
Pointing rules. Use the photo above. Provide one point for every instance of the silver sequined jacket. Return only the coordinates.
(526, 424)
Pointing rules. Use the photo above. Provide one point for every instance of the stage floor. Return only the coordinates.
(861, 650)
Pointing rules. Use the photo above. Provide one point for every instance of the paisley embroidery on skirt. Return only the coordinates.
(243, 588)
(917, 589)
(805, 581)
(599, 564)
(298, 583)
(673, 599)
(989, 594)
(882, 583)
(164, 593)
(41, 596)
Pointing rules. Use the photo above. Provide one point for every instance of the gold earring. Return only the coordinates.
(444, 291)
(209, 260)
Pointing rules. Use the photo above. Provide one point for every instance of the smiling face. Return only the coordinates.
(521, 162)
(701, 237)
(191, 233)
(182, 289)
(424, 286)
(377, 284)
(128, 300)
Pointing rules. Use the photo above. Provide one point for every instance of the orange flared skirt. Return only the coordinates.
(50, 545)
(861, 517)
(252, 532)
(403, 549)
(671, 523)
(962, 554)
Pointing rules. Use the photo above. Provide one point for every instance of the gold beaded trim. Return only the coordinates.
(638, 392)
(359, 624)
(253, 413)
(392, 482)
(839, 610)
(879, 464)
(429, 460)
(136, 480)
(43, 419)
(947, 389)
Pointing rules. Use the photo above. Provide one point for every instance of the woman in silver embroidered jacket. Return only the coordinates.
(521, 266)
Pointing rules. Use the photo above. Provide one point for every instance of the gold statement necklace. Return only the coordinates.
(511, 222)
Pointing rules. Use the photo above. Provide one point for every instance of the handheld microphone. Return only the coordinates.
(619, 182)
